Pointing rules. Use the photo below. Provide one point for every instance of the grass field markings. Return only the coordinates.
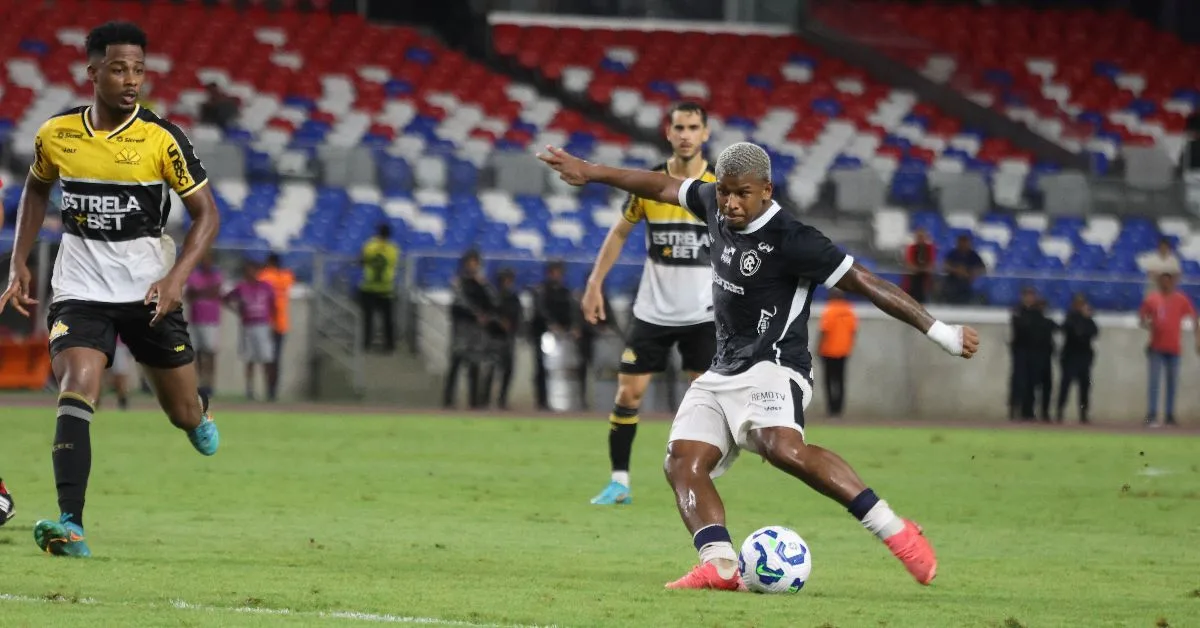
(255, 607)
(1153, 472)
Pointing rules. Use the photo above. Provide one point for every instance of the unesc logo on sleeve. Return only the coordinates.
(59, 330)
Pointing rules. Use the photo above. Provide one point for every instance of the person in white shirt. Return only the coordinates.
(1159, 261)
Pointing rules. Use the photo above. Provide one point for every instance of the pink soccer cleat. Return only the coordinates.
(705, 576)
(914, 550)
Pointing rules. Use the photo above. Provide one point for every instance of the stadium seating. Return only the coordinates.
(1098, 255)
(310, 83)
(1090, 80)
(816, 113)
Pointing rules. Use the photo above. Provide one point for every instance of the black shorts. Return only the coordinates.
(97, 326)
(648, 347)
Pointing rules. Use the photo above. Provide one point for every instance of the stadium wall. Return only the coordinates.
(896, 373)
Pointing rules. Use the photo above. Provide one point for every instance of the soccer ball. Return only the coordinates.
(775, 559)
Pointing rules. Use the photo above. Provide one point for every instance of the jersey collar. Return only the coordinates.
(762, 220)
(87, 122)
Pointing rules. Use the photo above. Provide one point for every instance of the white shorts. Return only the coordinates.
(205, 338)
(257, 344)
(722, 410)
(123, 363)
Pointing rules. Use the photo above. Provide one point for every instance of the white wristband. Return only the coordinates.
(948, 337)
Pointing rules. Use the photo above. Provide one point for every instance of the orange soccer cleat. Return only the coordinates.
(914, 550)
(705, 576)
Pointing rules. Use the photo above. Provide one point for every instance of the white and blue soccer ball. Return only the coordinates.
(775, 559)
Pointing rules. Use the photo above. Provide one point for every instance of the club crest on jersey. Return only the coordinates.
(128, 157)
(59, 330)
(749, 263)
(727, 255)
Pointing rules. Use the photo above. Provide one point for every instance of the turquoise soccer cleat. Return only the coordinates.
(205, 438)
(61, 538)
(614, 493)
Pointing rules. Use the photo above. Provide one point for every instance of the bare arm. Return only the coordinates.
(645, 184)
(609, 252)
(205, 221)
(656, 186)
(886, 296)
(31, 213)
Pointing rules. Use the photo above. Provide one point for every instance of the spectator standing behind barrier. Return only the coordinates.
(1024, 357)
(219, 109)
(378, 288)
(554, 311)
(203, 293)
(503, 330)
(920, 259)
(1160, 260)
(962, 267)
(281, 281)
(471, 312)
(1079, 330)
(1044, 346)
(254, 301)
(1162, 313)
(839, 325)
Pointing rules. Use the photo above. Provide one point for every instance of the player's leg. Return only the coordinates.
(82, 343)
(646, 351)
(700, 448)
(774, 427)
(8, 507)
(166, 355)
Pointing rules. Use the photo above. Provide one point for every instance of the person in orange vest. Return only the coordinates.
(281, 281)
(838, 326)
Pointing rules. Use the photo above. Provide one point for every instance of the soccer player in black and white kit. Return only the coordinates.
(765, 266)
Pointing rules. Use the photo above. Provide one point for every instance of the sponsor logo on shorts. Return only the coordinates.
(749, 263)
(59, 330)
(180, 348)
(766, 397)
(772, 408)
(628, 357)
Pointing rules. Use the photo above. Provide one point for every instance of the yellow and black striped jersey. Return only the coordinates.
(115, 200)
(676, 287)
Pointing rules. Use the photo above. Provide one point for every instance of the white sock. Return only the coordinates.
(621, 477)
(722, 556)
(882, 522)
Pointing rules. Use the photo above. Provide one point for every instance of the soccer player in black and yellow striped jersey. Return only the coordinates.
(116, 274)
(674, 302)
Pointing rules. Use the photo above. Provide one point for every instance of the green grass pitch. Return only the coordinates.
(343, 519)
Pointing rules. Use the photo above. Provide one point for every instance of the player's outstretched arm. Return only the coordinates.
(890, 299)
(650, 185)
(31, 213)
